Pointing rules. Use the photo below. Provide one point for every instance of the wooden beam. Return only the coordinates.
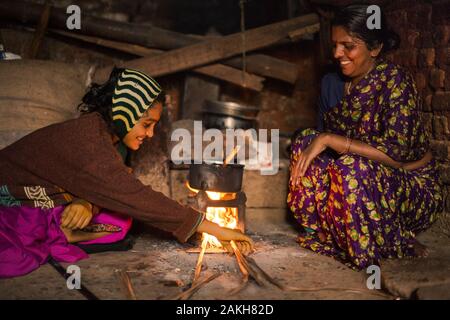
(215, 49)
(29, 13)
(267, 66)
(299, 33)
(217, 71)
(148, 36)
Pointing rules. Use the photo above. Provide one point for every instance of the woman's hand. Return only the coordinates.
(76, 215)
(413, 165)
(225, 235)
(316, 147)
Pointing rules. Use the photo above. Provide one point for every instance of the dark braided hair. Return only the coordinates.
(99, 99)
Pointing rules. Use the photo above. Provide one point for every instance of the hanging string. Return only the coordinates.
(244, 67)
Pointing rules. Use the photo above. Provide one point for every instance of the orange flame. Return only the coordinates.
(224, 216)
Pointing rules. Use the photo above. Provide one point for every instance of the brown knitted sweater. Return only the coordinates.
(77, 158)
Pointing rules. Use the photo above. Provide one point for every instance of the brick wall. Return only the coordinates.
(424, 29)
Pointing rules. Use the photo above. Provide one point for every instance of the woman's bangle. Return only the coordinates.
(348, 142)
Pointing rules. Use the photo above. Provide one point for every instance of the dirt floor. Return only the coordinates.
(155, 265)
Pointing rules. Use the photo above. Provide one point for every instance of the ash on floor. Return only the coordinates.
(161, 268)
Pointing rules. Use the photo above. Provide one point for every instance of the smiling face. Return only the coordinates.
(144, 127)
(354, 58)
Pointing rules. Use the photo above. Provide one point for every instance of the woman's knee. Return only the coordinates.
(349, 162)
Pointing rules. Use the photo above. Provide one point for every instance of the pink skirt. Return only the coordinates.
(29, 236)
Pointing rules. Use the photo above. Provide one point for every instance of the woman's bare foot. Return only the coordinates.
(321, 236)
(74, 236)
(420, 250)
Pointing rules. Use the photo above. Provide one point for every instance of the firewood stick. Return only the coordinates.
(209, 250)
(245, 274)
(295, 289)
(198, 267)
(126, 283)
(249, 270)
(231, 155)
(195, 287)
(238, 255)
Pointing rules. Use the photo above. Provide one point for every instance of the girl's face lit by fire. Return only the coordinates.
(144, 127)
(352, 54)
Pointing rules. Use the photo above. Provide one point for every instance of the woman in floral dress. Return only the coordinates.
(366, 185)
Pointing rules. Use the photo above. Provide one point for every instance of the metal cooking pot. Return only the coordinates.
(228, 115)
(218, 121)
(216, 177)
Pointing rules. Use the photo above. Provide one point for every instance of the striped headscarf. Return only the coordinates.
(133, 95)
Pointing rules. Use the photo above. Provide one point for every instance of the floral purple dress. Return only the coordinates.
(368, 210)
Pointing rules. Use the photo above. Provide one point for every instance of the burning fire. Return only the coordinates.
(223, 216)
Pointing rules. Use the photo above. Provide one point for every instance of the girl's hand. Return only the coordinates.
(225, 235)
(316, 147)
(76, 215)
(243, 242)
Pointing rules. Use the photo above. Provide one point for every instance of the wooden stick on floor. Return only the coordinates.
(253, 273)
(245, 275)
(239, 259)
(282, 287)
(198, 267)
(185, 295)
(126, 284)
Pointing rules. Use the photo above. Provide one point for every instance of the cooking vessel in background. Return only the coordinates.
(228, 115)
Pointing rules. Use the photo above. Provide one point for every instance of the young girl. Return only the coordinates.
(68, 182)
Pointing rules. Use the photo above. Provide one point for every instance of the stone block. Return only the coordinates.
(421, 81)
(441, 36)
(444, 172)
(266, 221)
(419, 15)
(426, 105)
(426, 57)
(440, 127)
(426, 39)
(437, 78)
(427, 118)
(407, 58)
(447, 79)
(267, 191)
(443, 57)
(412, 37)
(440, 150)
(441, 101)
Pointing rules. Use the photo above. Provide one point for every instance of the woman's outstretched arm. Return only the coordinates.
(339, 143)
(342, 144)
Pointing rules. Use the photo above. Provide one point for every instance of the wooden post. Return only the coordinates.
(39, 32)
